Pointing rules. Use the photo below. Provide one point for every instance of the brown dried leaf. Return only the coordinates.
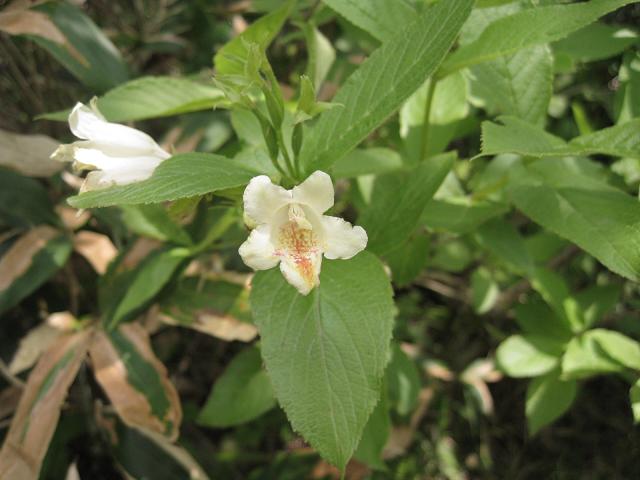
(224, 327)
(96, 248)
(355, 471)
(28, 154)
(138, 252)
(18, 258)
(33, 344)
(18, 21)
(131, 404)
(72, 218)
(38, 412)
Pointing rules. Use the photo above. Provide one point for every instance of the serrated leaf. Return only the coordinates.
(529, 27)
(528, 355)
(135, 380)
(230, 59)
(99, 64)
(181, 176)
(326, 353)
(36, 417)
(242, 393)
(398, 200)
(380, 18)
(519, 84)
(548, 398)
(518, 136)
(603, 221)
(385, 80)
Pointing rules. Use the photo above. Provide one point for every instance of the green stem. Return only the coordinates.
(427, 114)
(293, 171)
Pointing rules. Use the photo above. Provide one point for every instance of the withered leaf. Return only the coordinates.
(96, 248)
(28, 154)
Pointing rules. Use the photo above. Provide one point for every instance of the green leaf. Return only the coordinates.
(321, 54)
(242, 393)
(403, 381)
(634, 398)
(533, 26)
(528, 355)
(460, 214)
(502, 239)
(600, 351)
(24, 202)
(484, 290)
(181, 176)
(231, 58)
(627, 99)
(153, 221)
(367, 161)
(375, 435)
(597, 300)
(398, 200)
(518, 136)
(449, 104)
(385, 80)
(135, 380)
(408, 259)
(152, 97)
(518, 84)
(452, 256)
(554, 290)
(99, 64)
(548, 398)
(30, 262)
(326, 353)
(603, 221)
(382, 19)
(536, 318)
(142, 285)
(596, 42)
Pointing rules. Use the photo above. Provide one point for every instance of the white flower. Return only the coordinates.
(292, 230)
(118, 154)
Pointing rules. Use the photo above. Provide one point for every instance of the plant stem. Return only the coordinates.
(291, 166)
(427, 114)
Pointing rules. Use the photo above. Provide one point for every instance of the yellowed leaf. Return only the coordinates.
(72, 218)
(33, 344)
(28, 154)
(224, 327)
(131, 404)
(17, 21)
(38, 412)
(17, 260)
(96, 248)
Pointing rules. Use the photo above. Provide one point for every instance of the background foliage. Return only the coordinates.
(491, 150)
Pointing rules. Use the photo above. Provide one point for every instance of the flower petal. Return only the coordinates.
(262, 199)
(316, 191)
(257, 251)
(88, 124)
(303, 274)
(341, 239)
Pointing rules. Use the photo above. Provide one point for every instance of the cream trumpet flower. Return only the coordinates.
(118, 154)
(290, 229)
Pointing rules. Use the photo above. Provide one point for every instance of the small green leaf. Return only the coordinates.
(403, 381)
(460, 214)
(321, 54)
(242, 393)
(502, 239)
(627, 99)
(326, 374)
(484, 291)
(554, 290)
(548, 398)
(528, 355)
(369, 161)
(634, 398)
(153, 221)
(536, 318)
(398, 200)
(597, 41)
(181, 176)
(533, 26)
(408, 258)
(374, 436)
(231, 58)
(594, 352)
(385, 80)
(597, 300)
